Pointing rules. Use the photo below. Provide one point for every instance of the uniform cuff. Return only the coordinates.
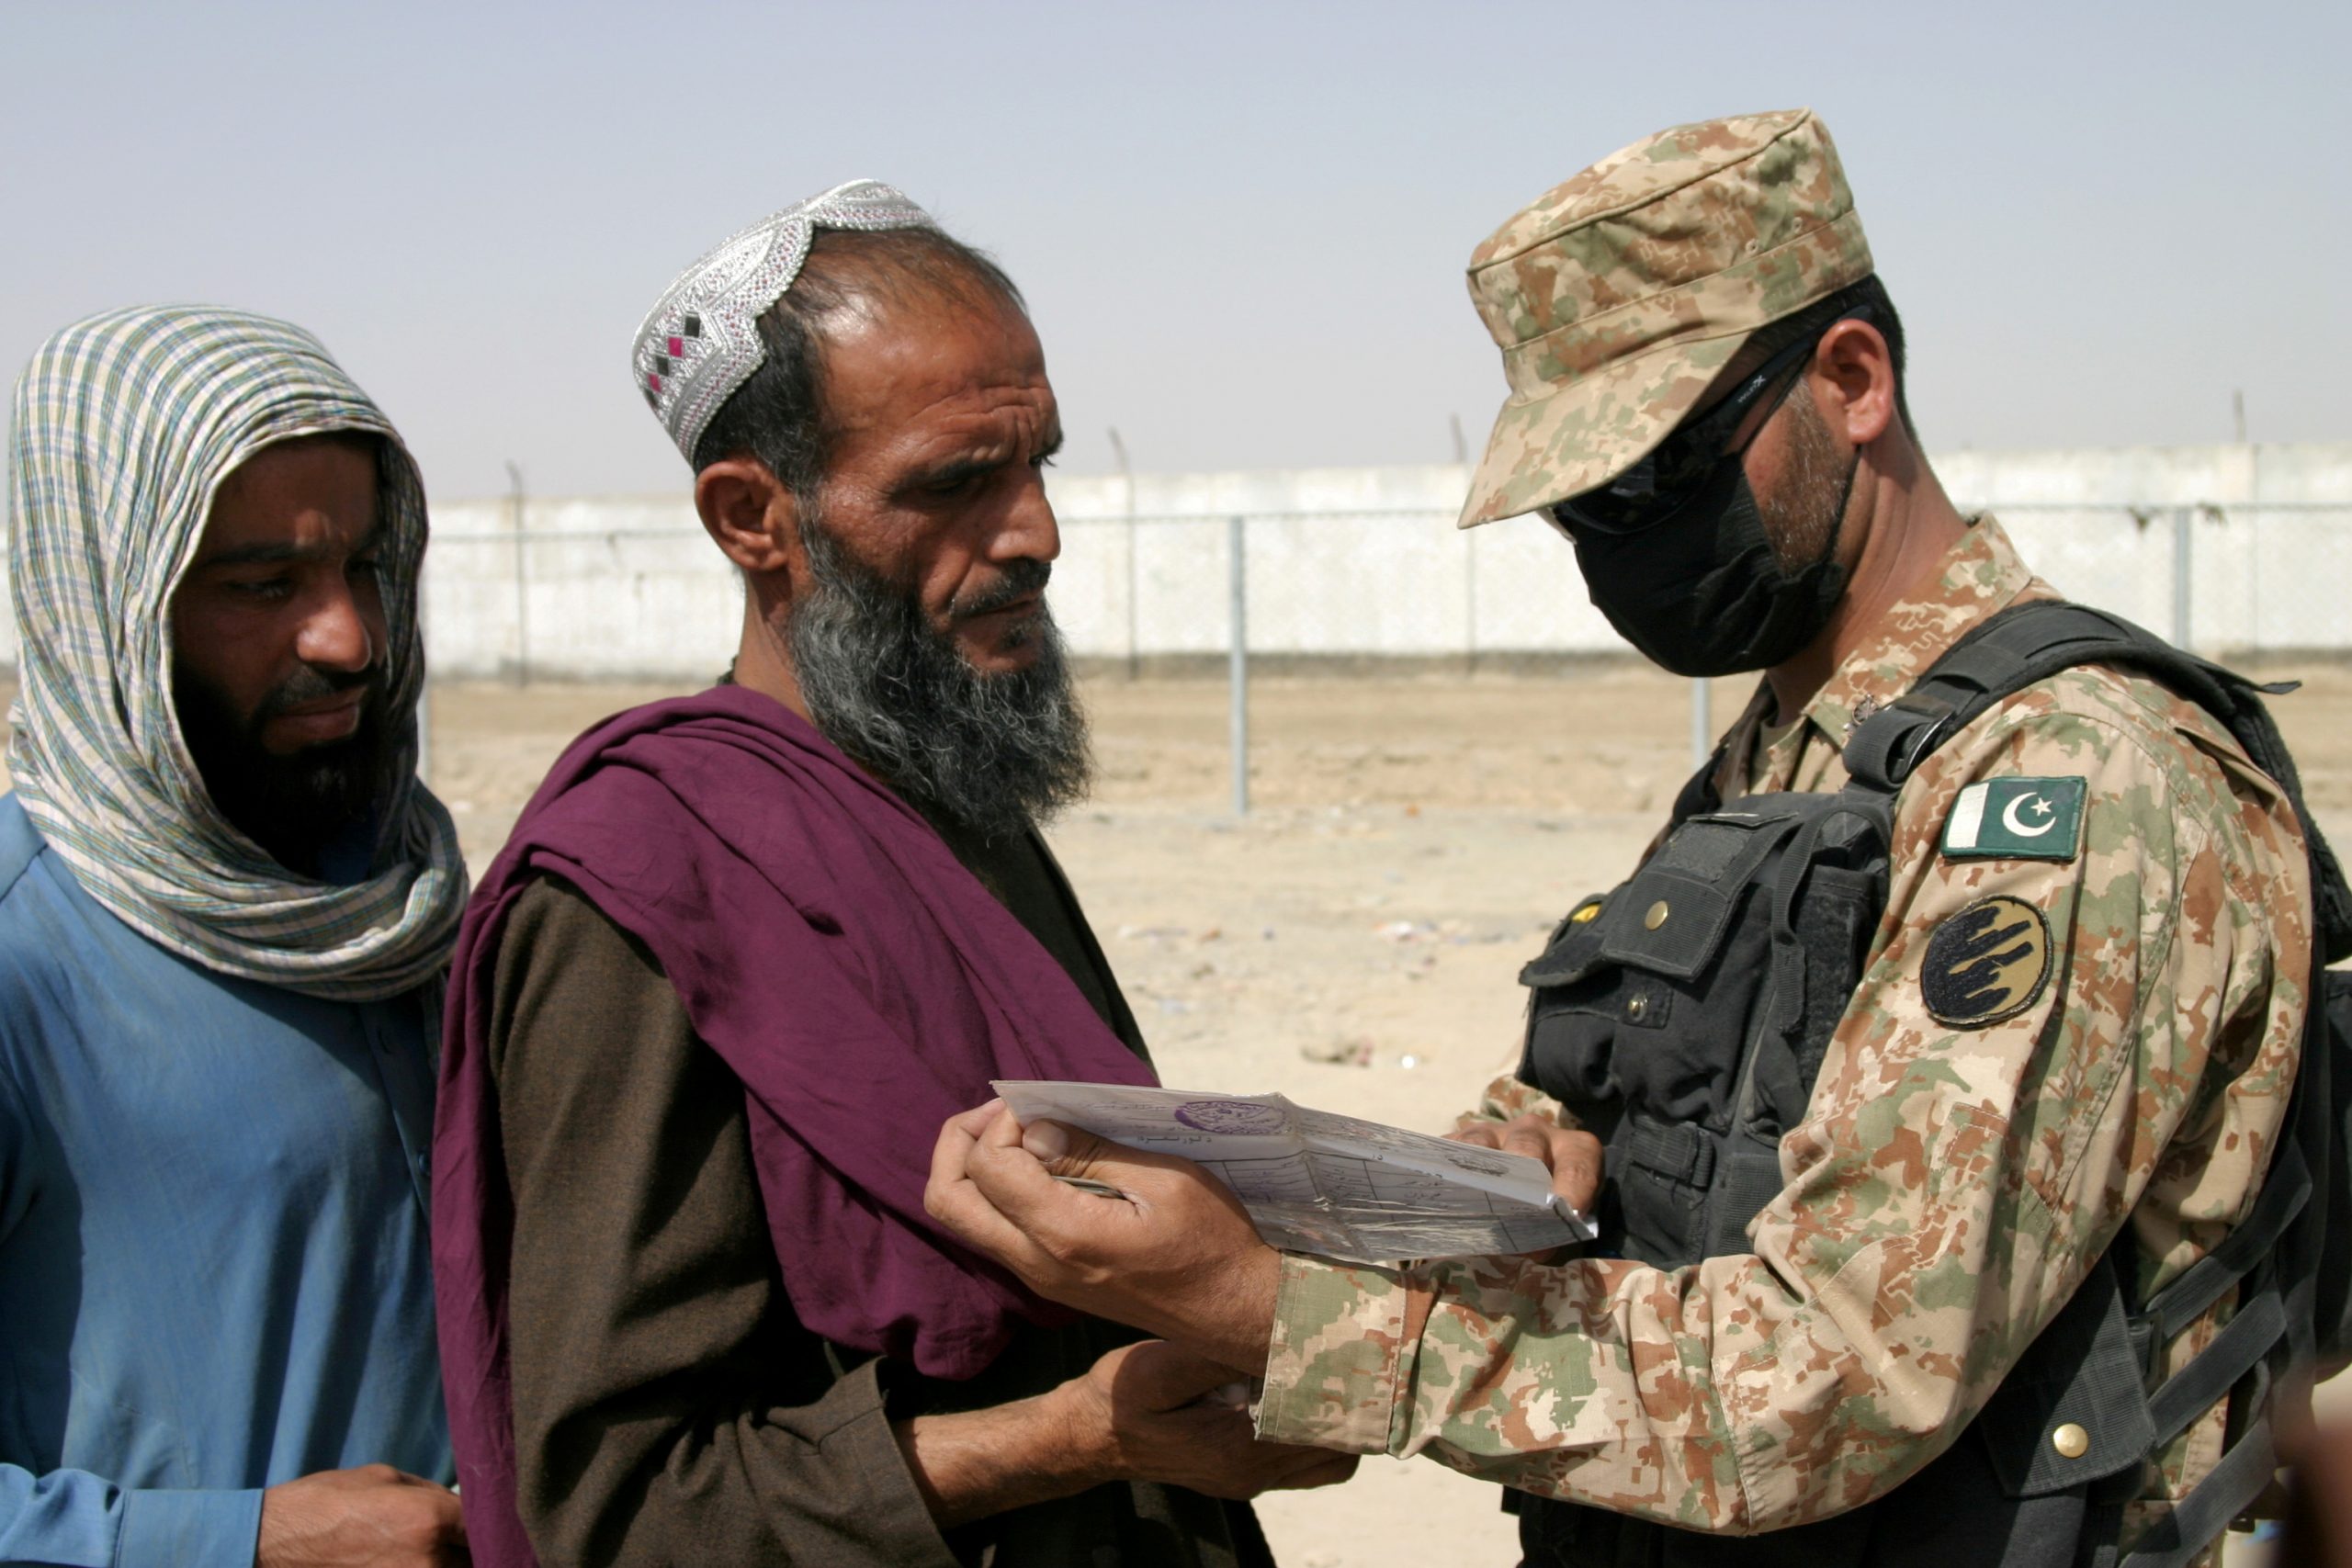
(1338, 1356)
(201, 1528)
(1508, 1097)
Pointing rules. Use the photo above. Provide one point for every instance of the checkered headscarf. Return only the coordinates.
(125, 424)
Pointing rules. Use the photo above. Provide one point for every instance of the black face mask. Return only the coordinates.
(1700, 592)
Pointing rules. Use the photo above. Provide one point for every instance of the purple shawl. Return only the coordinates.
(860, 981)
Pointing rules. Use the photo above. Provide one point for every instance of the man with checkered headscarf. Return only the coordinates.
(226, 904)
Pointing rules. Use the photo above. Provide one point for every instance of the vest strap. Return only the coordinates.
(2286, 1189)
(2197, 1521)
(1673, 1149)
(1889, 744)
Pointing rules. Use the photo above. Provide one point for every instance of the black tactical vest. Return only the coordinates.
(1684, 1017)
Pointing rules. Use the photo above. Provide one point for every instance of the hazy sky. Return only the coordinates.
(1242, 226)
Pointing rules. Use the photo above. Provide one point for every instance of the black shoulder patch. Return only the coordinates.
(1988, 962)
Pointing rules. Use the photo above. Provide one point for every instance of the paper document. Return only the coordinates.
(1354, 1190)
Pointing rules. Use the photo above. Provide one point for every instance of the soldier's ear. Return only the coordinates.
(1853, 381)
(749, 515)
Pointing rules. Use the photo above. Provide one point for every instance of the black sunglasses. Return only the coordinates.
(1673, 471)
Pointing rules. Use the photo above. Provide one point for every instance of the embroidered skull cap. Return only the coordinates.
(701, 340)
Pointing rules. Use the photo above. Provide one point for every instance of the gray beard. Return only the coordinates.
(991, 754)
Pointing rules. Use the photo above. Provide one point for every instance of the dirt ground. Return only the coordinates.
(1354, 941)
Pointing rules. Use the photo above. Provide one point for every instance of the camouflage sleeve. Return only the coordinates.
(1510, 1097)
(1947, 1190)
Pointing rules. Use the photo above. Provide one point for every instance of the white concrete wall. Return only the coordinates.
(1367, 562)
(608, 588)
(2270, 561)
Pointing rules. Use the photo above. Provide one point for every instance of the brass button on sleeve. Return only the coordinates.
(2071, 1441)
(1637, 1006)
(1656, 917)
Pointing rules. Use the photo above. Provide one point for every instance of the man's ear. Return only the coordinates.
(1854, 374)
(750, 513)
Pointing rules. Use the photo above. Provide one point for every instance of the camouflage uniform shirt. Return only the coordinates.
(1947, 1188)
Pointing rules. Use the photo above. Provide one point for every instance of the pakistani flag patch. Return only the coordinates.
(2017, 819)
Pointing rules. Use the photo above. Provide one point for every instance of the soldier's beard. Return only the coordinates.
(1802, 512)
(989, 753)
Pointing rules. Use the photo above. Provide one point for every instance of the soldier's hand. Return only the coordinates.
(1572, 1157)
(374, 1517)
(1175, 1255)
(1156, 1411)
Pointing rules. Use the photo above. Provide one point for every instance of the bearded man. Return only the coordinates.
(742, 947)
(1941, 1044)
(225, 907)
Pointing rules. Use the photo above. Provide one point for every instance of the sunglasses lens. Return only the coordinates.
(1626, 504)
(1674, 471)
(1658, 486)
(1650, 491)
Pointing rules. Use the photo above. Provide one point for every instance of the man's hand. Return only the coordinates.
(1573, 1157)
(373, 1516)
(1178, 1257)
(1147, 1412)
(1156, 1411)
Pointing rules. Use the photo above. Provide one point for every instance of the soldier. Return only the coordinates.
(2074, 1023)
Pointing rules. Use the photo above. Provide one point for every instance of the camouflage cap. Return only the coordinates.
(1619, 296)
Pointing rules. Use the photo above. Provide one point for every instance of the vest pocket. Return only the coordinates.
(1663, 1171)
(1641, 995)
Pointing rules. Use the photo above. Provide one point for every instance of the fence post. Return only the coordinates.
(2182, 516)
(1470, 603)
(521, 585)
(1128, 488)
(1702, 722)
(1135, 593)
(1238, 667)
(424, 689)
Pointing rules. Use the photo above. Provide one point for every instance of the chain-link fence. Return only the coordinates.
(617, 590)
(1380, 591)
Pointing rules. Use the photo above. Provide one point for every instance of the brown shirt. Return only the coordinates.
(668, 1405)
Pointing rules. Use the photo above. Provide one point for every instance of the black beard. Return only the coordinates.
(291, 806)
(1802, 512)
(992, 754)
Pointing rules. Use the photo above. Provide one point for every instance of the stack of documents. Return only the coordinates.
(1341, 1188)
